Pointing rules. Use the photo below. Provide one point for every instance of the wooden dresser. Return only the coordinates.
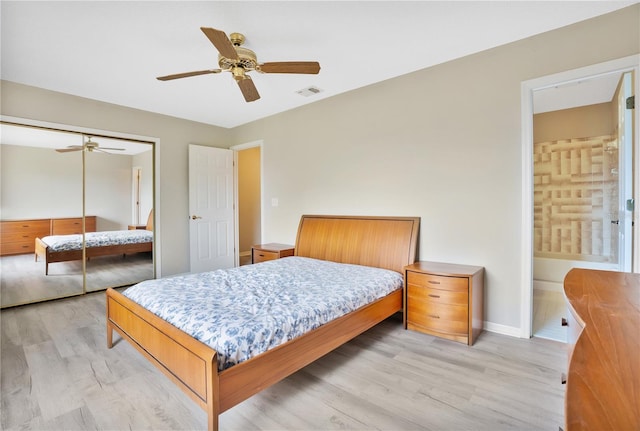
(68, 226)
(603, 379)
(445, 300)
(271, 251)
(18, 236)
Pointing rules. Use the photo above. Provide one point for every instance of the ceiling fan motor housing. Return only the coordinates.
(246, 59)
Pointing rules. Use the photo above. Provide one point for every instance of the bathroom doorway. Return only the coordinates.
(581, 173)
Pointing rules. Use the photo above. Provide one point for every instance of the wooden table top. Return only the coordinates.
(603, 382)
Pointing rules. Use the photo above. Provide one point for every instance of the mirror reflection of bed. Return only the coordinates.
(113, 198)
(120, 270)
(27, 278)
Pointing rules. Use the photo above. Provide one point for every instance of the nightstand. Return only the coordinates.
(137, 227)
(445, 300)
(271, 251)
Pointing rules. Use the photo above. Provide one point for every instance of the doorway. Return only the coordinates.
(577, 184)
(248, 198)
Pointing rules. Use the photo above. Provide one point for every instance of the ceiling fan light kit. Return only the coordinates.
(238, 61)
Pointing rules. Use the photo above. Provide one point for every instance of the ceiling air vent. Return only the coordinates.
(309, 91)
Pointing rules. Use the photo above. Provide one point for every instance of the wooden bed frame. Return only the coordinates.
(385, 242)
(42, 250)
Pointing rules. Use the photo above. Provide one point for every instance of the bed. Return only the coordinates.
(65, 248)
(381, 243)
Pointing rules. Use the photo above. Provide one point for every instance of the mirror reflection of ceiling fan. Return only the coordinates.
(89, 146)
(239, 61)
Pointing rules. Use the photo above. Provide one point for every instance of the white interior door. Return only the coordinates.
(211, 211)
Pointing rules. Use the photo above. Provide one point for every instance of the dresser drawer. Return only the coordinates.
(23, 236)
(421, 293)
(16, 230)
(263, 256)
(451, 319)
(459, 284)
(69, 226)
(20, 247)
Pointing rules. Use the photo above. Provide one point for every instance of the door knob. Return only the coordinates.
(195, 217)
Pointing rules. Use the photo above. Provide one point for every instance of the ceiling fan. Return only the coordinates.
(90, 146)
(238, 60)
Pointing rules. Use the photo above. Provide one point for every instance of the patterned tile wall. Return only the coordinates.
(575, 198)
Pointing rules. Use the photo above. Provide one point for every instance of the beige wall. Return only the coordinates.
(249, 198)
(443, 143)
(39, 183)
(582, 122)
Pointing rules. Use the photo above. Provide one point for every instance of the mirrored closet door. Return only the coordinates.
(69, 205)
(119, 194)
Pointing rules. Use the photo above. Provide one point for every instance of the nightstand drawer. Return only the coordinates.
(421, 293)
(263, 256)
(451, 319)
(271, 251)
(438, 281)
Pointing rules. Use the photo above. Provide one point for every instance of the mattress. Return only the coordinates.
(97, 239)
(244, 311)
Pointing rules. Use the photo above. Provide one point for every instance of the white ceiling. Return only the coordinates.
(112, 51)
(584, 92)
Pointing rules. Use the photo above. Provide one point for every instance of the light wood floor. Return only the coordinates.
(58, 374)
(23, 280)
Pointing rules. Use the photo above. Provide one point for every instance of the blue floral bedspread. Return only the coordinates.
(97, 239)
(244, 311)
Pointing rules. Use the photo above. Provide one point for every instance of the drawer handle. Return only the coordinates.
(434, 282)
(434, 296)
(434, 316)
(563, 379)
(564, 322)
(261, 255)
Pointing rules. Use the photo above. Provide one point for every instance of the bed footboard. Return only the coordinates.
(41, 251)
(190, 364)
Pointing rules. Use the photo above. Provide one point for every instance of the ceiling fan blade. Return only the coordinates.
(248, 89)
(187, 74)
(110, 148)
(222, 43)
(67, 150)
(308, 67)
(70, 148)
(102, 150)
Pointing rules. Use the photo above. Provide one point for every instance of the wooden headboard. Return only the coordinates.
(383, 242)
(150, 221)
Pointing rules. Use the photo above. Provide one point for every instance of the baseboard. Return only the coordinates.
(511, 331)
(548, 285)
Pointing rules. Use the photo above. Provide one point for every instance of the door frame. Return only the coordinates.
(157, 248)
(630, 63)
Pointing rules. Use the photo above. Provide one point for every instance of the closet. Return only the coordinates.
(64, 182)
